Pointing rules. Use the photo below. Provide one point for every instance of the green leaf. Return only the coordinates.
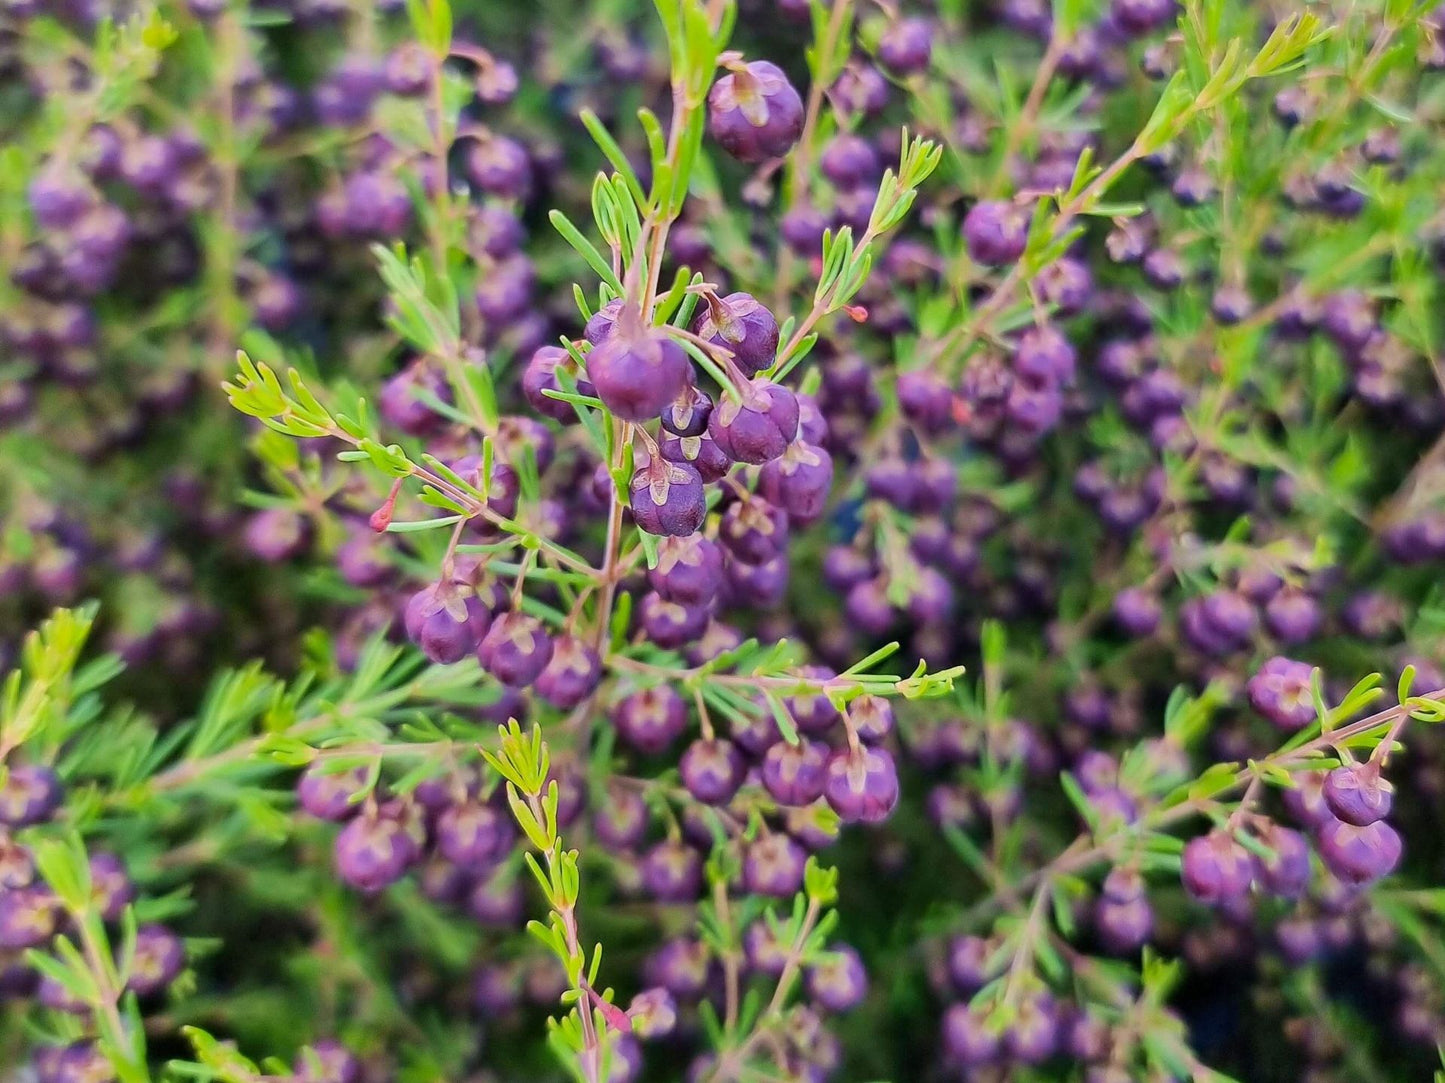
(605, 143)
(1163, 123)
(783, 718)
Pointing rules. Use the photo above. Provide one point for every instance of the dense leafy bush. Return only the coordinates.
(725, 540)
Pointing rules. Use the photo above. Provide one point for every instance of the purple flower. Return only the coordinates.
(970, 964)
(447, 621)
(326, 1062)
(838, 981)
(1287, 872)
(802, 228)
(29, 917)
(741, 324)
(17, 864)
(681, 966)
(688, 414)
(80, 1062)
(850, 161)
(620, 821)
(672, 872)
(754, 112)
(754, 529)
(1067, 284)
(670, 625)
(473, 835)
(926, 400)
(602, 322)
(861, 88)
(494, 990)
(374, 851)
(400, 404)
(572, 675)
(1139, 17)
(773, 865)
(515, 650)
(845, 566)
(767, 953)
(689, 570)
(1043, 353)
(1359, 855)
(861, 784)
(408, 69)
(1306, 800)
(700, 452)
(1138, 611)
(1220, 623)
(158, 960)
(277, 534)
(757, 424)
(652, 1013)
(500, 166)
(795, 774)
(497, 900)
(1034, 1034)
(712, 770)
(1358, 794)
(667, 498)
(344, 97)
(362, 561)
(968, 1037)
(1216, 869)
(331, 795)
(1281, 691)
(996, 232)
(31, 794)
(813, 711)
(540, 376)
(906, 47)
(651, 719)
(638, 370)
(111, 890)
(798, 481)
(1123, 925)
(761, 586)
(58, 198)
(867, 607)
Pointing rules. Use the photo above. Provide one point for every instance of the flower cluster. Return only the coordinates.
(797, 539)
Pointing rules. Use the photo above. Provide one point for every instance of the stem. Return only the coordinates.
(476, 508)
(107, 1016)
(609, 574)
(440, 146)
(1080, 855)
(221, 260)
(591, 1044)
(449, 558)
(192, 771)
(1003, 294)
(800, 167)
(1025, 950)
(732, 1061)
(786, 684)
(1027, 119)
(729, 957)
(704, 719)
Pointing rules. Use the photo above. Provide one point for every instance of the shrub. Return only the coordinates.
(724, 540)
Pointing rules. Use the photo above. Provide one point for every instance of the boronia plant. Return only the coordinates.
(744, 541)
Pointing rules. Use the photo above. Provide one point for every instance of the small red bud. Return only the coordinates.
(615, 1016)
(381, 517)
